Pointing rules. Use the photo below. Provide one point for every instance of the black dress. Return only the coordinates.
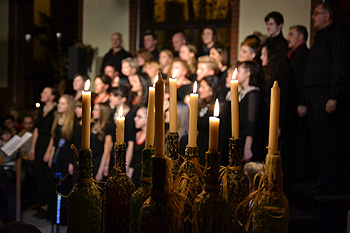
(184, 90)
(41, 170)
(249, 115)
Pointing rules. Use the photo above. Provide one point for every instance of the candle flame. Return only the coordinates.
(120, 111)
(37, 105)
(174, 73)
(87, 85)
(234, 75)
(216, 108)
(195, 87)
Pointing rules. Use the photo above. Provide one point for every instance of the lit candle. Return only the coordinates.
(173, 103)
(214, 123)
(192, 135)
(234, 106)
(150, 119)
(86, 116)
(120, 127)
(159, 116)
(274, 118)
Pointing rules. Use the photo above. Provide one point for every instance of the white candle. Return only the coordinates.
(120, 127)
(159, 116)
(192, 135)
(274, 118)
(234, 106)
(150, 119)
(214, 123)
(86, 116)
(173, 103)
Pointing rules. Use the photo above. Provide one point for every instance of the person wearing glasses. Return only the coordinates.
(327, 94)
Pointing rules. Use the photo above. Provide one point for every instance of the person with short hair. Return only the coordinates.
(129, 67)
(274, 24)
(111, 70)
(116, 54)
(206, 66)
(78, 85)
(151, 68)
(209, 38)
(177, 40)
(150, 43)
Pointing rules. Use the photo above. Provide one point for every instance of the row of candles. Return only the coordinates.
(155, 117)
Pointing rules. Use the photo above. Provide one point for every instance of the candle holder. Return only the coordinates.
(162, 211)
(190, 184)
(144, 192)
(210, 210)
(84, 201)
(271, 208)
(173, 152)
(117, 195)
(234, 186)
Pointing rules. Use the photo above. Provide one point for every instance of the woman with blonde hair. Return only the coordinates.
(101, 142)
(151, 68)
(59, 155)
(165, 59)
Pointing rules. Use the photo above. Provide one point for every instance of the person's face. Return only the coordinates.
(263, 57)
(28, 123)
(245, 54)
(140, 60)
(62, 106)
(177, 42)
(207, 36)
(135, 83)
(78, 83)
(320, 17)
(96, 112)
(100, 87)
(164, 59)
(228, 80)
(9, 123)
(126, 69)
(181, 71)
(46, 95)
(140, 118)
(272, 28)
(116, 41)
(213, 53)
(6, 137)
(115, 81)
(185, 54)
(151, 70)
(115, 100)
(110, 71)
(78, 111)
(205, 91)
(202, 71)
(294, 38)
(242, 75)
(148, 42)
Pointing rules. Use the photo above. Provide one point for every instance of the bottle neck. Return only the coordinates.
(235, 153)
(85, 164)
(120, 157)
(212, 166)
(146, 172)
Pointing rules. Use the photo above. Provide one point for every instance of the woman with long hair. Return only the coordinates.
(78, 85)
(220, 55)
(139, 87)
(102, 85)
(101, 142)
(165, 59)
(188, 54)
(184, 85)
(59, 155)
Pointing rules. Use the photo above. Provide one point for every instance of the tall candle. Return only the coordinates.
(173, 103)
(159, 116)
(150, 120)
(120, 127)
(192, 135)
(214, 123)
(234, 106)
(274, 118)
(86, 116)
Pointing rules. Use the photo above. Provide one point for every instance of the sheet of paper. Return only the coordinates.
(15, 143)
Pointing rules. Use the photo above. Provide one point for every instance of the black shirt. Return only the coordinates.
(115, 58)
(280, 42)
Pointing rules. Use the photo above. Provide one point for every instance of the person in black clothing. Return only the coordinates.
(209, 39)
(298, 129)
(327, 81)
(249, 110)
(150, 43)
(274, 23)
(116, 54)
(136, 166)
(40, 141)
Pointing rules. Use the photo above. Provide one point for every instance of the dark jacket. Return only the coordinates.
(280, 42)
(115, 58)
(328, 61)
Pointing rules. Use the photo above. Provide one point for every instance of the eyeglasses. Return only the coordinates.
(319, 13)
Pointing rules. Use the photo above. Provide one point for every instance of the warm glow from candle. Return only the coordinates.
(216, 108)
(37, 105)
(87, 85)
(155, 80)
(174, 73)
(234, 75)
(120, 111)
(195, 87)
